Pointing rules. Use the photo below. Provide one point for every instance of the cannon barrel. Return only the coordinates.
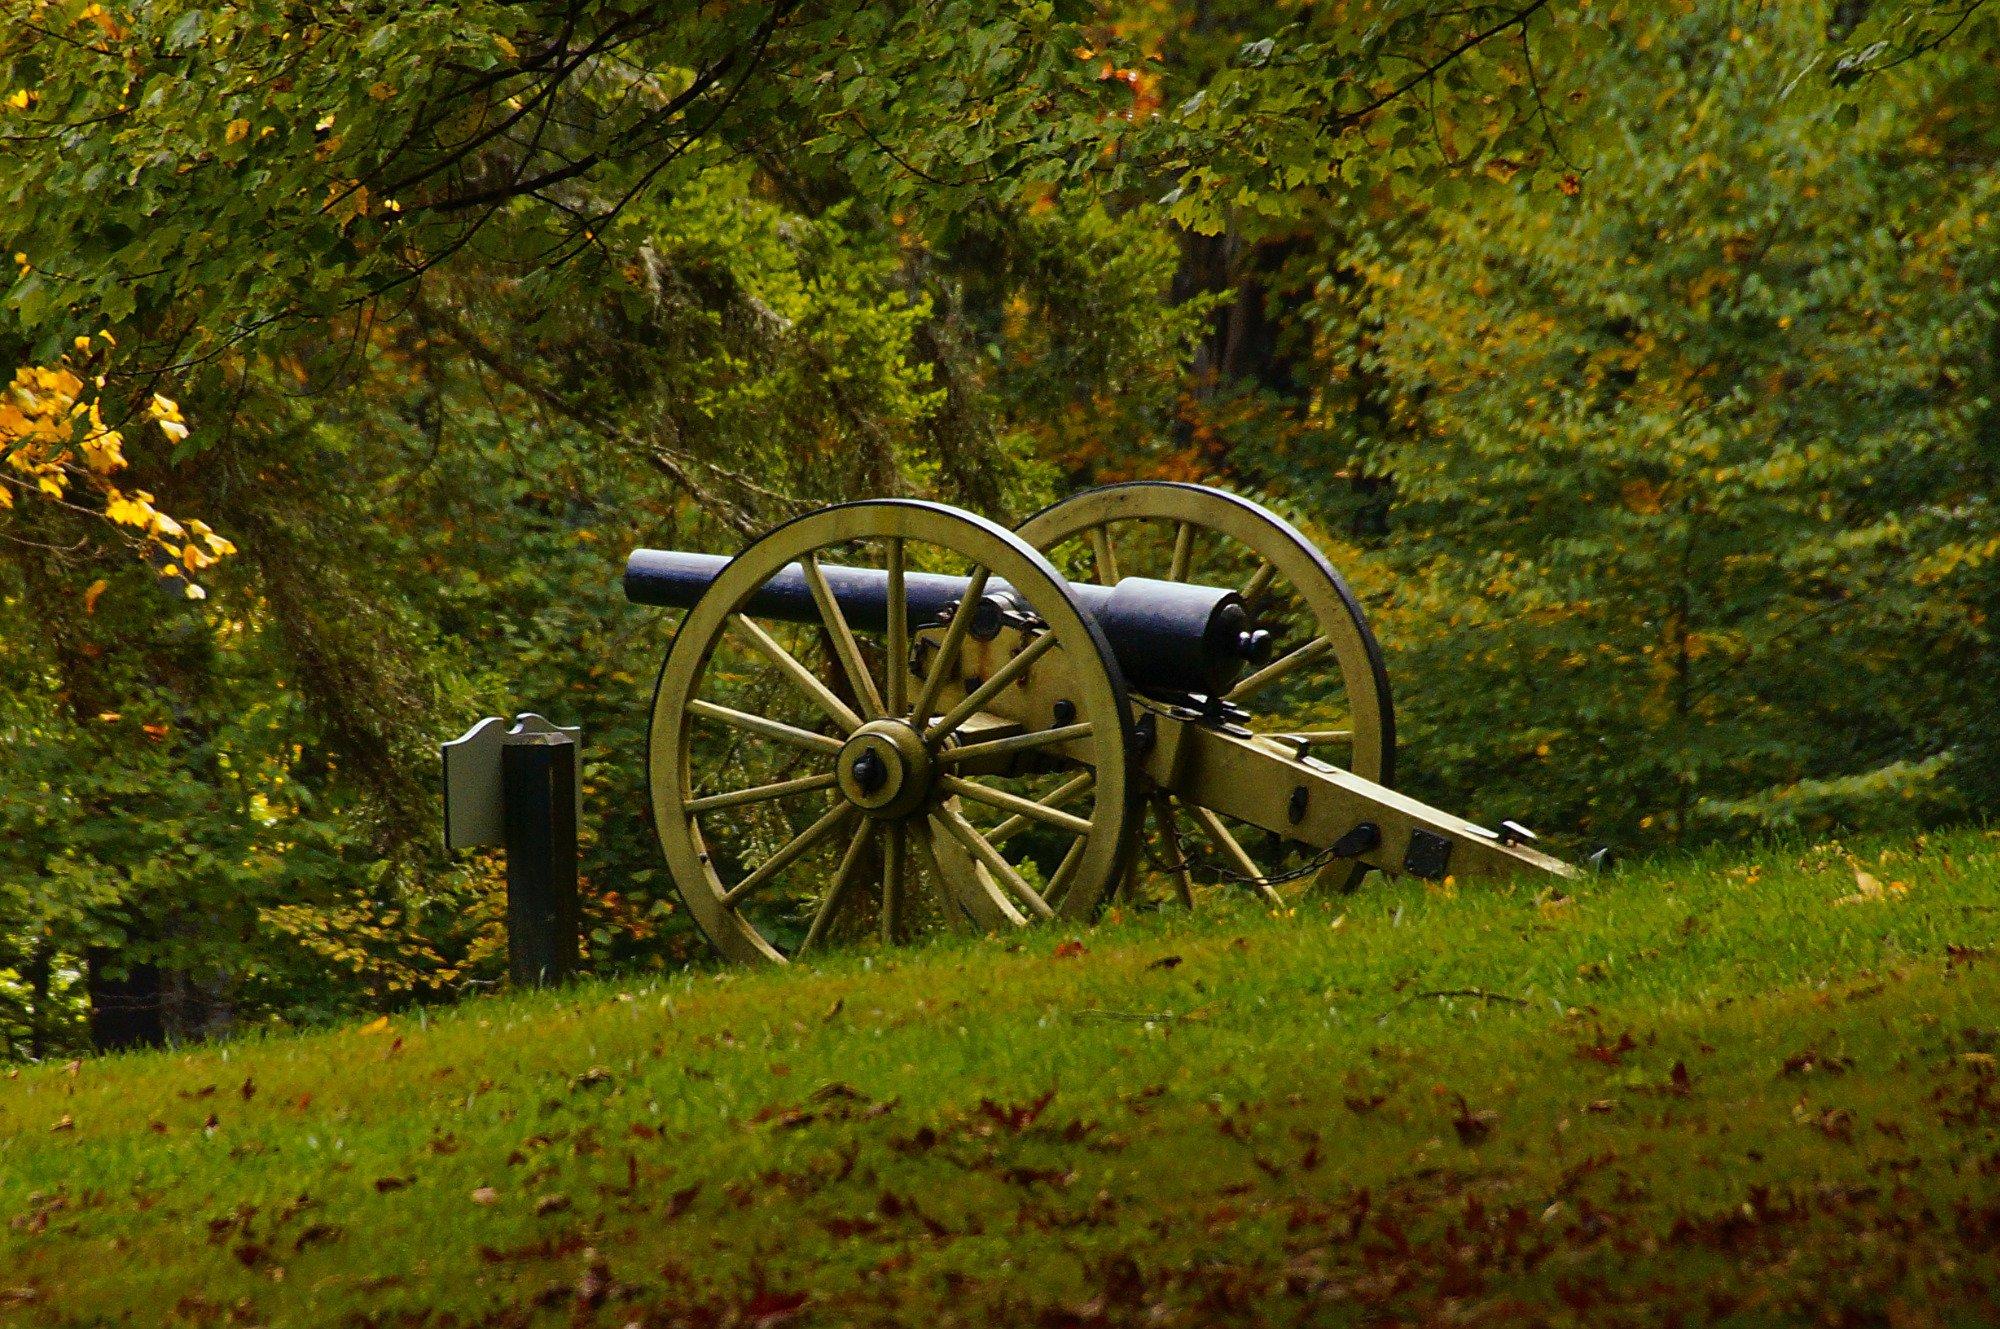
(1170, 638)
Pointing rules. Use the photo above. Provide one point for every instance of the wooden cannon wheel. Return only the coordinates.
(1325, 685)
(807, 784)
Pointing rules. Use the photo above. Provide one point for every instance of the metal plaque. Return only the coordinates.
(473, 813)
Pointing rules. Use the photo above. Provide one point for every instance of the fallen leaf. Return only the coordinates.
(376, 1025)
(595, 1283)
(65, 1124)
(1016, 1117)
(1066, 950)
(1809, 1062)
(767, 1308)
(1870, 891)
(1473, 1127)
(383, 1185)
(314, 1234)
(1611, 1054)
(485, 1195)
(551, 1204)
(1165, 962)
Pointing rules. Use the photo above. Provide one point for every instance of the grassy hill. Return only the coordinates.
(1739, 1092)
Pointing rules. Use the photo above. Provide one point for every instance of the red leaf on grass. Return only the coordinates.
(1611, 1054)
(767, 1308)
(1016, 1117)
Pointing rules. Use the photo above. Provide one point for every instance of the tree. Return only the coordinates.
(1692, 530)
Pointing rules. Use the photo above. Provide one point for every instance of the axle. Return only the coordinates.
(1170, 638)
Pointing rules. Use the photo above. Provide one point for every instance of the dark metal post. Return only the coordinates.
(538, 793)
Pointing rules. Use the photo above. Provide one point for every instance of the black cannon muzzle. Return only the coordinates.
(1170, 638)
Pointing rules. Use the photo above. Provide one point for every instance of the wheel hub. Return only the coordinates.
(885, 769)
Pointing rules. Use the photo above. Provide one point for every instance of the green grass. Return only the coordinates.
(1702, 1091)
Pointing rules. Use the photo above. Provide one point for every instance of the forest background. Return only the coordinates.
(1636, 362)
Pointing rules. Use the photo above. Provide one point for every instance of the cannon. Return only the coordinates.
(891, 715)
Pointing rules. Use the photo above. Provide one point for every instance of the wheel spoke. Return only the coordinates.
(1000, 747)
(850, 863)
(992, 687)
(897, 668)
(1259, 582)
(784, 858)
(1163, 812)
(1068, 792)
(1103, 558)
(895, 854)
(1233, 850)
(1280, 667)
(844, 645)
(801, 677)
(1183, 551)
(762, 793)
(768, 728)
(981, 849)
(945, 869)
(947, 656)
(1066, 872)
(1006, 802)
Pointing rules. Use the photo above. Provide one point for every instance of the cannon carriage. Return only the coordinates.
(891, 715)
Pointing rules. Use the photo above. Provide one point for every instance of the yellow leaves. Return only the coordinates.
(104, 453)
(91, 595)
(135, 509)
(206, 547)
(106, 24)
(102, 447)
(54, 437)
(375, 1026)
(506, 47)
(236, 131)
(167, 413)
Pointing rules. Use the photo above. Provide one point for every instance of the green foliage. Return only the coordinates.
(1691, 530)
(1676, 1090)
(1640, 358)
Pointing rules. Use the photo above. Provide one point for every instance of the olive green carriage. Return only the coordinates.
(890, 716)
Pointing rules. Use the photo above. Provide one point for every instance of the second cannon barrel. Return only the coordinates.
(1170, 638)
